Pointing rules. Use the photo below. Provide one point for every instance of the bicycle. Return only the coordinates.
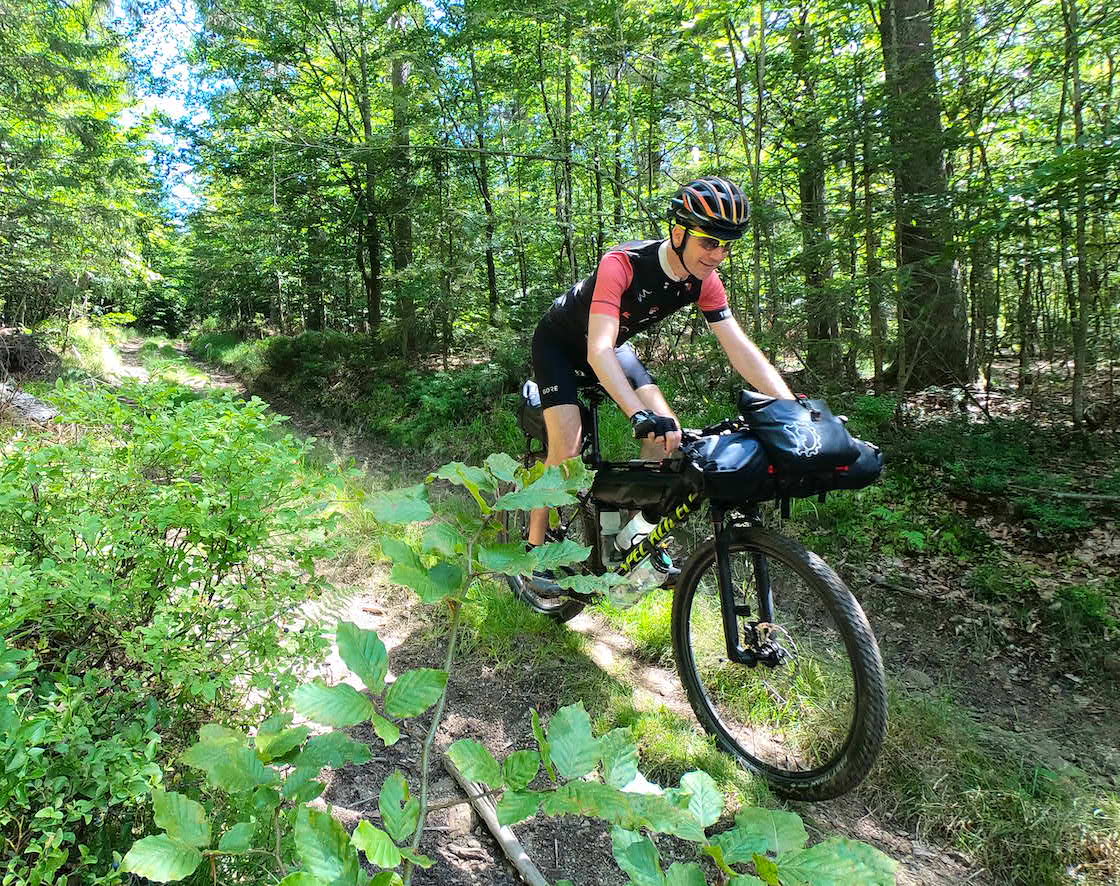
(774, 652)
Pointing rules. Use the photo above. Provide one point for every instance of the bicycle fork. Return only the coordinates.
(760, 648)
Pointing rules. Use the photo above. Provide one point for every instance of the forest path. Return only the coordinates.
(490, 701)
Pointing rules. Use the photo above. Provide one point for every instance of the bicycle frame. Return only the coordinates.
(730, 611)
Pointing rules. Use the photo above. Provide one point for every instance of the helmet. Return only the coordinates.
(714, 205)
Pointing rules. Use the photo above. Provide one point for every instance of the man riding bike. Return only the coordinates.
(637, 285)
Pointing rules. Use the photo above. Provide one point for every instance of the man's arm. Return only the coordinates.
(602, 333)
(748, 360)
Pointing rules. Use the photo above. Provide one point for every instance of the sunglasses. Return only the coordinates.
(710, 243)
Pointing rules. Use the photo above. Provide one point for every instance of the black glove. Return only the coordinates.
(646, 422)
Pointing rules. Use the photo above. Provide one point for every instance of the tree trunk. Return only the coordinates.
(933, 345)
(816, 251)
(402, 204)
(1079, 307)
(484, 188)
(873, 266)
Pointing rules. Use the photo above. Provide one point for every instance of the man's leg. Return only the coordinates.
(653, 399)
(652, 450)
(565, 430)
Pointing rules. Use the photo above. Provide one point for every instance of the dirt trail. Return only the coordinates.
(492, 706)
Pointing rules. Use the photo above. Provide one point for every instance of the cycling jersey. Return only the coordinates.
(635, 284)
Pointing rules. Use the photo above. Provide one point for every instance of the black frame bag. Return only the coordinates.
(801, 436)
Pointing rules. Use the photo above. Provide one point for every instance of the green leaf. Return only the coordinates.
(182, 818)
(507, 559)
(781, 830)
(214, 732)
(516, 806)
(689, 874)
(413, 692)
(421, 861)
(275, 724)
(706, 802)
(574, 751)
(324, 847)
(301, 785)
(590, 584)
(549, 490)
(271, 745)
(443, 538)
(229, 765)
(745, 880)
(408, 505)
(332, 749)
(661, 815)
(340, 705)
(620, 757)
(387, 878)
(560, 553)
(386, 731)
(767, 870)
(431, 584)
(739, 845)
(400, 811)
(265, 800)
(504, 467)
(400, 552)
(161, 858)
(520, 768)
(364, 654)
(837, 862)
(376, 844)
(474, 479)
(542, 743)
(301, 878)
(475, 762)
(639, 859)
(239, 838)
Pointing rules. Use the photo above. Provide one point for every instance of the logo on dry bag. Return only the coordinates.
(807, 439)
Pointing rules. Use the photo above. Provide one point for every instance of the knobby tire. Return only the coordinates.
(781, 723)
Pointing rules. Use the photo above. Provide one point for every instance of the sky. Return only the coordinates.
(159, 48)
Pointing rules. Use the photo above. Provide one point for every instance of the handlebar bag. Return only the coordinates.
(862, 472)
(802, 436)
(734, 467)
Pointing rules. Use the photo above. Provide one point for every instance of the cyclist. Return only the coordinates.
(637, 285)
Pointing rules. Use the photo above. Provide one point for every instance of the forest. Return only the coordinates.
(276, 268)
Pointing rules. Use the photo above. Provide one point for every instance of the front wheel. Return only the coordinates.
(812, 720)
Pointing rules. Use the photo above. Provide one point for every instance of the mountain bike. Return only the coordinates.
(774, 652)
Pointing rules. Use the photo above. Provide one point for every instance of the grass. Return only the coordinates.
(954, 782)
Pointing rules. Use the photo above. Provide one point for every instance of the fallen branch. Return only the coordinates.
(483, 803)
(1076, 496)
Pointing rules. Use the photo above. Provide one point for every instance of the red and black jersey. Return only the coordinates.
(633, 283)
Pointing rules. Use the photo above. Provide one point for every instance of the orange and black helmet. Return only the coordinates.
(713, 205)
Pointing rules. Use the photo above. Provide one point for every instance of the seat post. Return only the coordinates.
(595, 396)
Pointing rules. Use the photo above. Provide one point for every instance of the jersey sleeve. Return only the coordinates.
(713, 299)
(613, 277)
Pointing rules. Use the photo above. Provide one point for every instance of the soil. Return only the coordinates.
(1015, 683)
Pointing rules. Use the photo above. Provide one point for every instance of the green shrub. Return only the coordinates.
(149, 571)
(1087, 609)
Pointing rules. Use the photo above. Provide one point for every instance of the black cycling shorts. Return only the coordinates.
(561, 368)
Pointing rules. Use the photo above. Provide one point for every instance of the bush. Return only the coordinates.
(151, 570)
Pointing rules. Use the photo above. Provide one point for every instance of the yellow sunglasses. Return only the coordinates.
(709, 242)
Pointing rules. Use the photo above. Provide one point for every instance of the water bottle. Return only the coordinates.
(644, 576)
(632, 533)
(609, 524)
